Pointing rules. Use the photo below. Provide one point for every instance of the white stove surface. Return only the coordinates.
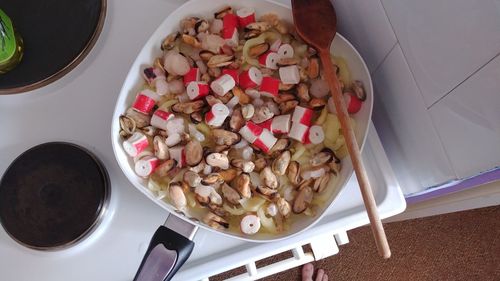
(78, 109)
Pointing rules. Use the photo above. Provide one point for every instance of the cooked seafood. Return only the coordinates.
(234, 124)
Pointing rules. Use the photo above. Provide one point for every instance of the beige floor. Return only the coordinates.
(457, 246)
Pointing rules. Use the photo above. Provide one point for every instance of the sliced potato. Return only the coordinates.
(331, 127)
(344, 73)
(322, 117)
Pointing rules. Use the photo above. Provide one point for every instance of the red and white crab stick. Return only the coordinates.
(285, 51)
(352, 102)
(250, 78)
(269, 60)
(301, 120)
(258, 136)
(223, 84)
(217, 115)
(230, 29)
(197, 90)
(302, 115)
(178, 153)
(233, 73)
(265, 141)
(269, 87)
(250, 132)
(160, 119)
(278, 125)
(246, 16)
(275, 45)
(145, 101)
(316, 134)
(135, 144)
(192, 75)
(146, 166)
(299, 132)
(289, 74)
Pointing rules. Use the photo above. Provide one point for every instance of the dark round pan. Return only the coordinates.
(57, 35)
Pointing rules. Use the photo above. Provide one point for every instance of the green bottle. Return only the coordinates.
(11, 44)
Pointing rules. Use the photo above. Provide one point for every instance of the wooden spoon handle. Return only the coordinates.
(355, 154)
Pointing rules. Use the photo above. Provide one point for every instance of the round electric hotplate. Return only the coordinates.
(57, 36)
(53, 195)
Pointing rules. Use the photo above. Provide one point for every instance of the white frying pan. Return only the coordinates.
(169, 249)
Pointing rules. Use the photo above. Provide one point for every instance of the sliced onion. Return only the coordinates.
(233, 210)
(161, 194)
(178, 176)
(191, 200)
(300, 50)
(203, 128)
(249, 44)
(155, 186)
(267, 223)
(195, 133)
(166, 105)
(144, 153)
(309, 212)
(253, 204)
(202, 66)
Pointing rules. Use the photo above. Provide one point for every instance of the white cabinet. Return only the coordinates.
(405, 127)
(365, 25)
(436, 72)
(468, 122)
(445, 41)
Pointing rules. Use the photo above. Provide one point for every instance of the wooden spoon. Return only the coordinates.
(316, 23)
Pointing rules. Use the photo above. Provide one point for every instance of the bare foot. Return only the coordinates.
(308, 272)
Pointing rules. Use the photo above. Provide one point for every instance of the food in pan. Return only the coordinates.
(235, 124)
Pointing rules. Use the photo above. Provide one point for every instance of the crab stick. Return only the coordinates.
(250, 78)
(160, 119)
(245, 16)
(197, 90)
(135, 144)
(269, 87)
(223, 84)
(145, 101)
(146, 166)
(217, 115)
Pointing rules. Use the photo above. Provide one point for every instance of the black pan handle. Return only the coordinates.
(167, 252)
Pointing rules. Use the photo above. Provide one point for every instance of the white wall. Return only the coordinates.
(436, 72)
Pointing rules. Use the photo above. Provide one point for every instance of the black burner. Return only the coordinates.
(53, 195)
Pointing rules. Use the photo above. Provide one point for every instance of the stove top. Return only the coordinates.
(78, 109)
(53, 195)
